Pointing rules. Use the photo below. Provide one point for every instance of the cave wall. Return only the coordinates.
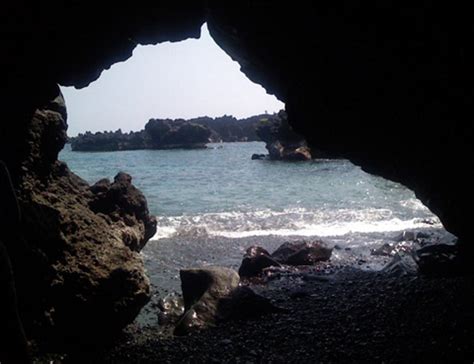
(385, 84)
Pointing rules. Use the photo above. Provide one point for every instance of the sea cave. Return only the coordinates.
(385, 86)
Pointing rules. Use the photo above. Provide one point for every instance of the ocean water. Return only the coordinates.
(212, 204)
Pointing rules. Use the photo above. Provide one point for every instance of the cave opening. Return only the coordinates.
(212, 204)
(386, 85)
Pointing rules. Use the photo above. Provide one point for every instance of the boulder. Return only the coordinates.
(256, 259)
(402, 263)
(202, 289)
(383, 250)
(213, 294)
(302, 253)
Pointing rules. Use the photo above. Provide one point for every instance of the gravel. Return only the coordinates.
(347, 316)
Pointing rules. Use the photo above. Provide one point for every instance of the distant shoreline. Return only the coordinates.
(171, 134)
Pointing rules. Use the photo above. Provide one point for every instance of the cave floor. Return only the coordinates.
(352, 316)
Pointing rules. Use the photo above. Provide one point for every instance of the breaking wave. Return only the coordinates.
(291, 222)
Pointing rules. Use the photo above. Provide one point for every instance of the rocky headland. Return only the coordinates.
(157, 134)
(172, 134)
(281, 141)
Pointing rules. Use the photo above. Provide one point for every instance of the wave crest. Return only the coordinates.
(288, 222)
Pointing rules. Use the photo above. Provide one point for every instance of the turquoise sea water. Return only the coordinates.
(211, 204)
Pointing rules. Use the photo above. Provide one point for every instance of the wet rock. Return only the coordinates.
(202, 289)
(384, 250)
(213, 294)
(211, 282)
(302, 253)
(410, 236)
(171, 308)
(256, 259)
(401, 264)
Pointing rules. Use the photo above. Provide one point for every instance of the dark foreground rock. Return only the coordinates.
(202, 289)
(212, 295)
(351, 316)
(76, 255)
(256, 259)
(13, 342)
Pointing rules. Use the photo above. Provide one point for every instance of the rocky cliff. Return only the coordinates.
(75, 254)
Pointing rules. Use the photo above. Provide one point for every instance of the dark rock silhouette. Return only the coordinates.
(202, 289)
(158, 134)
(213, 294)
(172, 134)
(302, 252)
(294, 253)
(13, 343)
(79, 274)
(281, 141)
(256, 259)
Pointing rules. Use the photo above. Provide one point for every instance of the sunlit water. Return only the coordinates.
(212, 204)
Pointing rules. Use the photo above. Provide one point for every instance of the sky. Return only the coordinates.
(170, 80)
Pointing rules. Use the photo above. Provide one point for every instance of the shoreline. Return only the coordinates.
(350, 315)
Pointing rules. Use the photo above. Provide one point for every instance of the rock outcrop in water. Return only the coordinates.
(281, 141)
(76, 254)
(158, 134)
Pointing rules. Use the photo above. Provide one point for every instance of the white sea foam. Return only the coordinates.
(329, 230)
(414, 204)
(288, 222)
